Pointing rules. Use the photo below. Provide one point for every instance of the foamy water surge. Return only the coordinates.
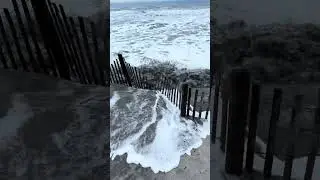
(148, 127)
(163, 32)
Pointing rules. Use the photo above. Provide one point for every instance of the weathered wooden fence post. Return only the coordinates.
(15, 37)
(240, 86)
(215, 109)
(50, 36)
(6, 41)
(201, 105)
(290, 151)
(195, 104)
(36, 66)
(254, 110)
(209, 103)
(315, 142)
(275, 113)
(189, 101)
(225, 111)
(124, 69)
(223, 125)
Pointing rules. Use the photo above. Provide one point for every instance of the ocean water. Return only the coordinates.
(164, 31)
(148, 128)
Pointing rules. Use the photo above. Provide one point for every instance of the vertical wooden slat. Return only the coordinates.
(50, 37)
(174, 96)
(164, 85)
(112, 80)
(3, 59)
(201, 105)
(96, 52)
(115, 74)
(137, 75)
(132, 74)
(275, 113)
(189, 101)
(161, 84)
(168, 90)
(40, 57)
(60, 37)
(224, 122)
(172, 93)
(177, 96)
(167, 87)
(225, 96)
(195, 104)
(74, 66)
(315, 142)
(79, 48)
(16, 40)
(71, 37)
(111, 75)
(209, 104)
(87, 49)
(119, 72)
(156, 86)
(32, 59)
(290, 148)
(240, 81)
(128, 68)
(215, 109)
(124, 70)
(254, 106)
(136, 80)
(8, 46)
(180, 97)
(68, 47)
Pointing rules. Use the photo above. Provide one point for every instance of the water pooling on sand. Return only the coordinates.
(148, 127)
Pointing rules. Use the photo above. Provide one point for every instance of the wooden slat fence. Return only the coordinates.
(231, 117)
(25, 46)
(195, 105)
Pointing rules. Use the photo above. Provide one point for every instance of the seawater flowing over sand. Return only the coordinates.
(148, 127)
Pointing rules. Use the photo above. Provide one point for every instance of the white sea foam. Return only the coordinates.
(179, 35)
(114, 99)
(174, 136)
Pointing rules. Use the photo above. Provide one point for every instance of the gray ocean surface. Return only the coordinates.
(253, 11)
